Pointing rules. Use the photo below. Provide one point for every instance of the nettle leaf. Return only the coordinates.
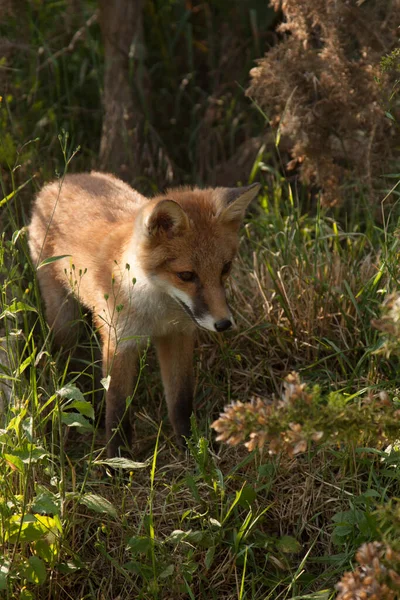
(82, 406)
(71, 392)
(35, 571)
(4, 435)
(99, 504)
(14, 462)
(47, 552)
(192, 537)
(69, 567)
(122, 463)
(76, 420)
(209, 557)
(177, 536)
(4, 571)
(52, 259)
(31, 529)
(247, 496)
(46, 503)
(288, 545)
(167, 572)
(16, 307)
(24, 365)
(139, 544)
(30, 453)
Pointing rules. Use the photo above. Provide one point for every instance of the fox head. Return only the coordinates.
(189, 238)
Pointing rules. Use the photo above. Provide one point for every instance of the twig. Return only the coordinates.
(77, 37)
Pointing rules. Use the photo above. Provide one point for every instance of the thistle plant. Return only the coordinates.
(303, 417)
(377, 576)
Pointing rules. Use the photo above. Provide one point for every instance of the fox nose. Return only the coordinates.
(223, 325)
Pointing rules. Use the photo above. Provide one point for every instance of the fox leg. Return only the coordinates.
(175, 355)
(62, 309)
(120, 364)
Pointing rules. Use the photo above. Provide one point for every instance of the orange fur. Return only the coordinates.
(129, 260)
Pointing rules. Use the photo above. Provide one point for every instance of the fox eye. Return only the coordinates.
(187, 275)
(226, 268)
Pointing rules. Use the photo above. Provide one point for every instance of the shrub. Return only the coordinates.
(322, 83)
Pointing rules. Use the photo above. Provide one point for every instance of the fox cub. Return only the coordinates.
(144, 267)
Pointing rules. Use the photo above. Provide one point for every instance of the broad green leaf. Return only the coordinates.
(209, 557)
(98, 504)
(30, 454)
(71, 392)
(45, 503)
(139, 544)
(82, 406)
(48, 552)
(76, 420)
(288, 545)
(35, 572)
(342, 530)
(4, 571)
(16, 307)
(177, 535)
(14, 462)
(194, 537)
(247, 496)
(31, 529)
(21, 368)
(69, 567)
(167, 572)
(51, 524)
(51, 259)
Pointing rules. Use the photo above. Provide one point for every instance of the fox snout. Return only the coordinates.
(204, 318)
(223, 325)
(214, 318)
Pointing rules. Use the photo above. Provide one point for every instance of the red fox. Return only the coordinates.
(144, 267)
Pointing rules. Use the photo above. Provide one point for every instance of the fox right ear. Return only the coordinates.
(167, 217)
(234, 201)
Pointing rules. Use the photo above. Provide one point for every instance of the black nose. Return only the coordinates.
(223, 325)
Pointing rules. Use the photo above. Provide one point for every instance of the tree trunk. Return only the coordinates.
(121, 25)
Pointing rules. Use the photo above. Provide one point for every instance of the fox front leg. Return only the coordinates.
(121, 366)
(175, 355)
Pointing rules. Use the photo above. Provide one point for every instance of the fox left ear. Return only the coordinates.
(234, 201)
(167, 217)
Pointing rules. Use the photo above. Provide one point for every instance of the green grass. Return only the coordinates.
(221, 522)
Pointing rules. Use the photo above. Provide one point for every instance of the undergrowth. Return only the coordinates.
(313, 292)
(220, 522)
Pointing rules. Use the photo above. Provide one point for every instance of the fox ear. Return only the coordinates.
(234, 201)
(168, 217)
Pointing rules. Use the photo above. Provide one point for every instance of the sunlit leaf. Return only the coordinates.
(52, 259)
(98, 504)
(35, 572)
(76, 420)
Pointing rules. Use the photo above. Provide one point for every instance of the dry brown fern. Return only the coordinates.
(320, 85)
